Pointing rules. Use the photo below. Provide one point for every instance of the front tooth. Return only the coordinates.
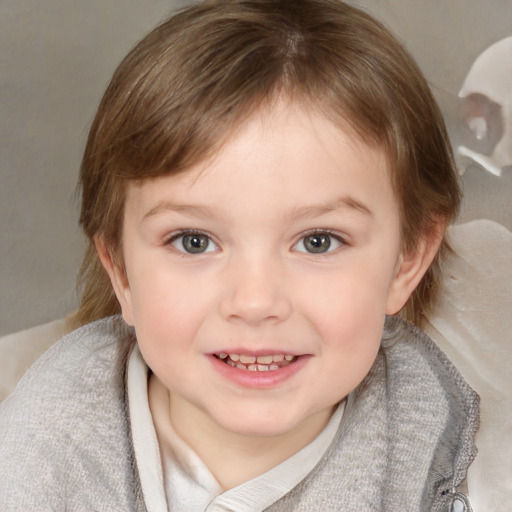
(273, 367)
(234, 357)
(264, 359)
(252, 368)
(263, 368)
(289, 357)
(277, 358)
(247, 359)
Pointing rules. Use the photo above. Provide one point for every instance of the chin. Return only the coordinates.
(261, 424)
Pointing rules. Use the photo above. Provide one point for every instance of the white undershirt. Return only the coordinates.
(172, 475)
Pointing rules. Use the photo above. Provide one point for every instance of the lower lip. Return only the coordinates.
(265, 379)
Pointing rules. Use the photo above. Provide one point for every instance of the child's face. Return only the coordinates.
(286, 244)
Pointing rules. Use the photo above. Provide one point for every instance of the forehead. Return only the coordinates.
(284, 155)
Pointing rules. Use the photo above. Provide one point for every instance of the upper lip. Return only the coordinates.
(256, 353)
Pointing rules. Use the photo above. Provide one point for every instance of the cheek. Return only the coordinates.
(169, 309)
(158, 292)
(351, 346)
(349, 320)
(354, 335)
(352, 300)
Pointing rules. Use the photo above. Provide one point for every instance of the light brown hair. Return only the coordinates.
(180, 93)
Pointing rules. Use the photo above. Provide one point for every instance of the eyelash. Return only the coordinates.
(331, 234)
(184, 233)
(318, 232)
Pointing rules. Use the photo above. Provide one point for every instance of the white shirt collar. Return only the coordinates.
(172, 475)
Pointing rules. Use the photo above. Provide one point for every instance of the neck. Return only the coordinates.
(235, 458)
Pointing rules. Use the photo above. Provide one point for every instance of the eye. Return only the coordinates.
(193, 243)
(318, 242)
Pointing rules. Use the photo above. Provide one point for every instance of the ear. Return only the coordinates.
(117, 277)
(411, 267)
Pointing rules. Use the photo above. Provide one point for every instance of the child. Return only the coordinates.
(265, 187)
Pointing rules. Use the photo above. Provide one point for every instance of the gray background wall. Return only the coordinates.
(56, 58)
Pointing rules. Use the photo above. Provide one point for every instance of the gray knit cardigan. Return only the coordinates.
(404, 444)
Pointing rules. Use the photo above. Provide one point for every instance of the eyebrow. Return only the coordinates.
(331, 206)
(200, 211)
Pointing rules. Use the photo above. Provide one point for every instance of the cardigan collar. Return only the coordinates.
(406, 439)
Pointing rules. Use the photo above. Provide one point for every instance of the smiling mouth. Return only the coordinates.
(264, 363)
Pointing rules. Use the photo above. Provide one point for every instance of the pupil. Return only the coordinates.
(317, 243)
(195, 243)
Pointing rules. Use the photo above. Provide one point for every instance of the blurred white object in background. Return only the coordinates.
(485, 109)
(472, 324)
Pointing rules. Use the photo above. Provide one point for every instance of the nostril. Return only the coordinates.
(255, 307)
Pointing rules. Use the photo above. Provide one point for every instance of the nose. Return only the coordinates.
(255, 292)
